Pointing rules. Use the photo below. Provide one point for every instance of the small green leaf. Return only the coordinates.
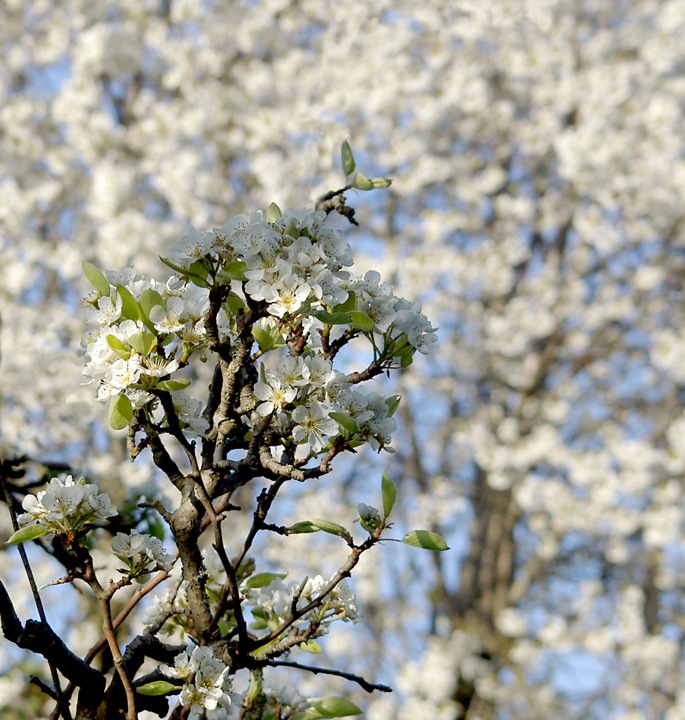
(258, 624)
(143, 342)
(234, 303)
(380, 183)
(176, 268)
(407, 358)
(345, 421)
(265, 339)
(360, 320)
(171, 385)
(148, 300)
(389, 492)
(361, 182)
(334, 707)
(263, 579)
(302, 527)
(332, 528)
(158, 687)
(198, 273)
(349, 304)
(199, 281)
(119, 348)
(311, 647)
(425, 539)
(30, 532)
(392, 402)
(233, 271)
(347, 158)
(199, 269)
(262, 648)
(129, 306)
(120, 412)
(96, 279)
(273, 212)
(335, 318)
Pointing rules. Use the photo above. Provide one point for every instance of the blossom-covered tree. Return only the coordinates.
(536, 208)
(270, 301)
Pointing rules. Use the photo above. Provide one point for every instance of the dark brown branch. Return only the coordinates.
(39, 637)
(369, 687)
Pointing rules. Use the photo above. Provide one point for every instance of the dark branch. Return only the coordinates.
(369, 687)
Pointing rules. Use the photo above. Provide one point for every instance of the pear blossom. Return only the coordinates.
(211, 686)
(66, 506)
(192, 246)
(107, 311)
(274, 395)
(168, 320)
(313, 424)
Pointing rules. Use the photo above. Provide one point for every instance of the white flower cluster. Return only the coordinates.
(273, 603)
(141, 554)
(207, 683)
(133, 356)
(287, 261)
(295, 264)
(312, 381)
(66, 506)
(144, 331)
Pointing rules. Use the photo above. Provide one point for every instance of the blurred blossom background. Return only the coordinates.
(536, 149)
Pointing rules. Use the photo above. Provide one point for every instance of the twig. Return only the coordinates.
(369, 687)
(62, 706)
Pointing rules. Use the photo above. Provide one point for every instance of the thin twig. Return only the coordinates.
(365, 684)
(62, 705)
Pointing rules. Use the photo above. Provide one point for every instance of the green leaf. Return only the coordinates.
(258, 624)
(425, 539)
(234, 303)
(265, 339)
(334, 318)
(199, 281)
(361, 182)
(334, 707)
(199, 269)
(129, 308)
(119, 348)
(158, 687)
(143, 342)
(198, 273)
(233, 271)
(345, 421)
(263, 579)
(30, 532)
(389, 492)
(331, 527)
(148, 300)
(176, 268)
(120, 412)
(302, 527)
(349, 304)
(96, 279)
(380, 183)
(360, 320)
(149, 343)
(392, 402)
(171, 385)
(407, 359)
(273, 212)
(347, 158)
(311, 647)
